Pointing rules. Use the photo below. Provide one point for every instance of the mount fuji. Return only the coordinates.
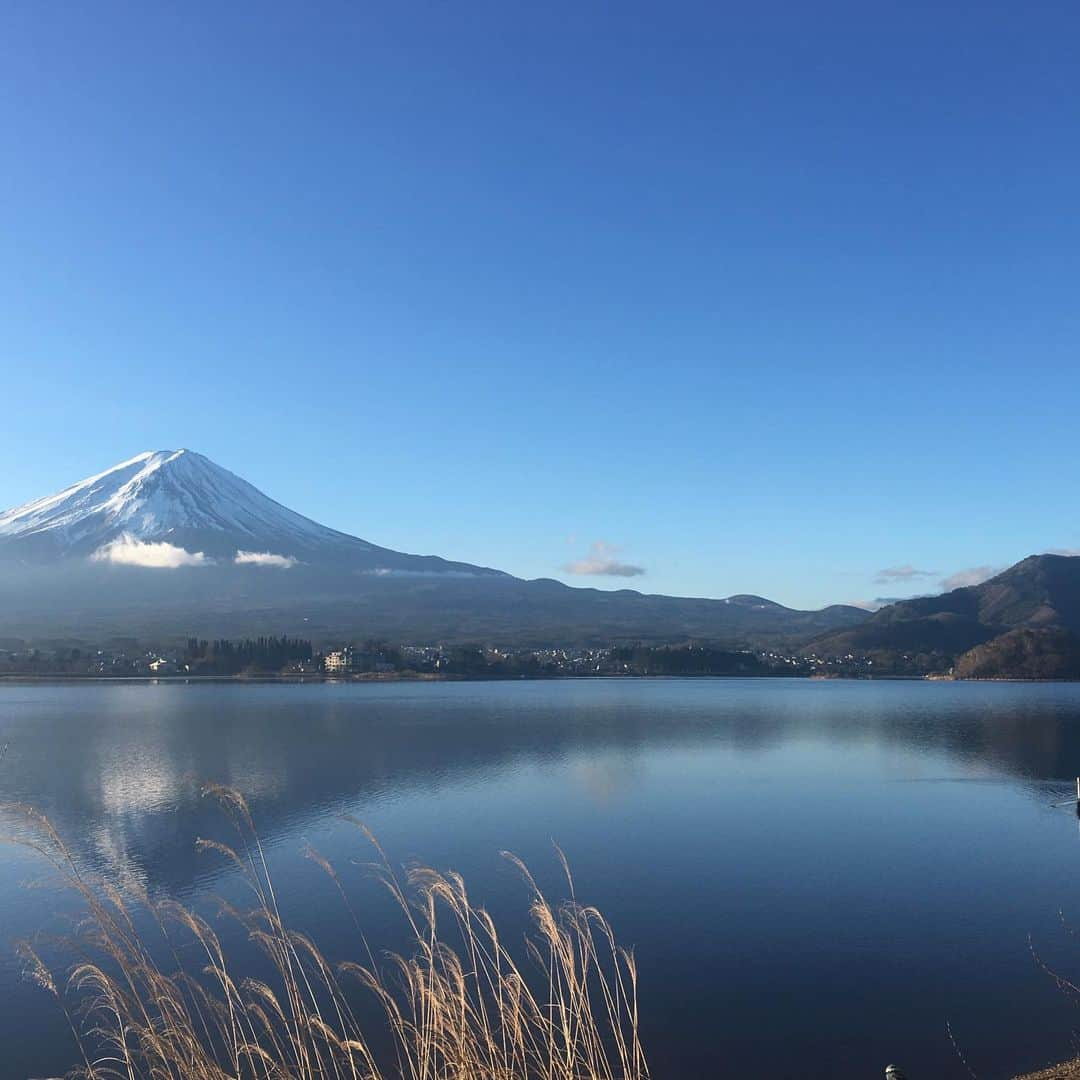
(169, 544)
(165, 509)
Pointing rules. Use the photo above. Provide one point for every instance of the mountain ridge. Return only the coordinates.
(168, 541)
(1039, 593)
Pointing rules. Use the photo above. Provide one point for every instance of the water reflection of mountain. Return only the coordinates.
(119, 768)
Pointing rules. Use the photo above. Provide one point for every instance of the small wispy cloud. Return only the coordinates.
(265, 558)
(601, 562)
(1063, 551)
(884, 601)
(973, 575)
(907, 572)
(127, 551)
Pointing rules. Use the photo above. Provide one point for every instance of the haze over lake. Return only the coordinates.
(818, 875)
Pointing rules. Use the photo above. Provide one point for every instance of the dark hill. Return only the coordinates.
(929, 633)
(1023, 654)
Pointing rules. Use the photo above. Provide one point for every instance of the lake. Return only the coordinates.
(816, 876)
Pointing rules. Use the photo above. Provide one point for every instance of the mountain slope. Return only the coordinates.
(1041, 592)
(170, 544)
(183, 499)
(1046, 653)
(155, 496)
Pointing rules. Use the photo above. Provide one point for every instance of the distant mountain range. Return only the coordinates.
(169, 544)
(1023, 622)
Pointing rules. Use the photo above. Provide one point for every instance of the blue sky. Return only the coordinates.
(754, 298)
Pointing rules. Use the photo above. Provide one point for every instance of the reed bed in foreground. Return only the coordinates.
(458, 1005)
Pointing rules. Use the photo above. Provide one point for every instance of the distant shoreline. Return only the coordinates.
(394, 677)
(376, 677)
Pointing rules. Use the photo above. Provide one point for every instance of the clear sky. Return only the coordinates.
(769, 297)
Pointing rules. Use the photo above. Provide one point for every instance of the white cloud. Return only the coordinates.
(265, 558)
(974, 575)
(127, 551)
(1063, 551)
(906, 572)
(601, 562)
(884, 601)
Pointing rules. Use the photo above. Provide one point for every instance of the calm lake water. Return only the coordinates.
(816, 876)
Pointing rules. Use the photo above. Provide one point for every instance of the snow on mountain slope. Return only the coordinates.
(169, 507)
(154, 494)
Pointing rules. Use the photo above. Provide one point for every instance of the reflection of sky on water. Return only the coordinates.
(839, 864)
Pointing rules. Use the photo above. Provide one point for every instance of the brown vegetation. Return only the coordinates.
(462, 1006)
(1026, 654)
(1068, 1071)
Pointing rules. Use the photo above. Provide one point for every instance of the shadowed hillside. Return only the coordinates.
(1040, 593)
(77, 601)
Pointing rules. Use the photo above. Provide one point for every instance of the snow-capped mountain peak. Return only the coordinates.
(171, 509)
(174, 496)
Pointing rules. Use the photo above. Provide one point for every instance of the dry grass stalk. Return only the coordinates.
(471, 1010)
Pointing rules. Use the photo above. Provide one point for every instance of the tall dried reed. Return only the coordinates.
(458, 1005)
